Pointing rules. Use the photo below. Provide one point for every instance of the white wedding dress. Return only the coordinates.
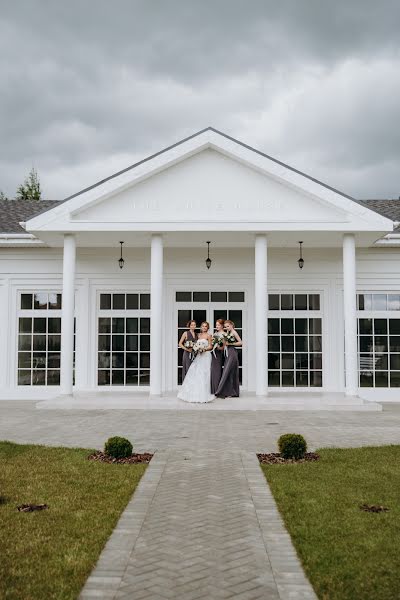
(196, 386)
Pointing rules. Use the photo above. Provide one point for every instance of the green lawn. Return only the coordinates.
(49, 554)
(347, 554)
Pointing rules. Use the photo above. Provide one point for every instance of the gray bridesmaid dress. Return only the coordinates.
(186, 358)
(217, 360)
(229, 383)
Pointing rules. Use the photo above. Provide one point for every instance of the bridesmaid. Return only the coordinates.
(187, 336)
(217, 356)
(229, 384)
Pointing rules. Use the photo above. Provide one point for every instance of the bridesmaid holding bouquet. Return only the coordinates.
(217, 355)
(186, 342)
(229, 384)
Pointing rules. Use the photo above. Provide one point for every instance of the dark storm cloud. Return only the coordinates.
(90, 86)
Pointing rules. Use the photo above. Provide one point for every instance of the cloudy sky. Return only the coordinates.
(90, 86)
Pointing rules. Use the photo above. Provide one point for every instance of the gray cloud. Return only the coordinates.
(89, 87)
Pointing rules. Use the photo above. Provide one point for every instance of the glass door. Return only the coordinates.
(210, 306)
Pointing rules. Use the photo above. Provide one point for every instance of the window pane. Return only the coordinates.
(366, 380)
(287, 344)
(360, 300)
(103, 361)
(273, 301)
(274, 343)
(144, 377)
(273, 325)
(395, 379)
(300, 301)
(365, 326)
(379, 302)
(104, 342)
(24, 360)
(117, 359)
(40, 300)
(286, 326)
(53, 360)
(287, 378)
(301, 343)
(55, 301)
(118, 342)
(381, 343)
(300, 325)
(394, 302)
(315, 325)
(315, 343)
(302, 361)
(24, 377)
(24, 342)
(103, 377)
(118, 301)
(394, 326)
(380, 326)
(366, 343)
(395, 362)
(132, 301)
(381, 362)
(132, 377)
(39, 342)
(201, 297)
(144, 360)
(313, 302)
(54, 343)
(394, 343)
(316, 378)
(381, 379)
(145, 325)
(39, 377)
(184, 317)
(132, 325)
(132, 360)
(315, 361)
(39, 325)
(145, 342)
(145, 301)
(118, 325)
(105, 301)
(287, 361)
(26, 301)
(53, 377)
(219, 296)
(104, 325)
(183, 296)
(54, 325)
(286, 301)
(274, 379)
(132, 342)
(236, 317)
(273, 361)
(367, 302)
(117, 377)
(236, 296)
(25, 325)
(301, 378)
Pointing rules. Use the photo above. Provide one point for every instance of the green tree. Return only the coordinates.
(3, 196)
(30, 189)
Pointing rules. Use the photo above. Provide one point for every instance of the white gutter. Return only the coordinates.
(17, 236)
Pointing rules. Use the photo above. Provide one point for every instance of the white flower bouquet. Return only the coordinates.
(200, 346)
(229, 338)
(189, 344)
(217, 340)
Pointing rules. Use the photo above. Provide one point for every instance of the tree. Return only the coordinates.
(30, 189)
(3, 196)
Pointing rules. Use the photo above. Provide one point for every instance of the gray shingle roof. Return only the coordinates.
(14, 211)
(388, 208)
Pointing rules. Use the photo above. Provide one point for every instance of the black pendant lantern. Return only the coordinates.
(121, 261)
(301, 259)
(208, 259)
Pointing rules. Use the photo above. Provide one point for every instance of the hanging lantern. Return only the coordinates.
(301, 259)
(121, 261)
(208, 259)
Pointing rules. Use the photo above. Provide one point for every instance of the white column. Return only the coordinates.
(67, 314)
(156, 330)
(350, 313)
(260, 315)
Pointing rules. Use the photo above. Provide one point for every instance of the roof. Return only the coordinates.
(389, 208)
(228, 137)
(14, 211)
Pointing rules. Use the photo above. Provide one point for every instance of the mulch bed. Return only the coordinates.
(374, 508)
(133, 459)
(31, 507)
(275, 458)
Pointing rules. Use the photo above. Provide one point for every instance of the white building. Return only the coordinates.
(299, 326)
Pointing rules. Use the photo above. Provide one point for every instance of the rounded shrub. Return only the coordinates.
(118, 447)
(292, 445)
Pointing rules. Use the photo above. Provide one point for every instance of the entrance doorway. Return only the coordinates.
(210, 306)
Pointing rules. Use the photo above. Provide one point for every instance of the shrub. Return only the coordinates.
(118, 447)
(292, 445)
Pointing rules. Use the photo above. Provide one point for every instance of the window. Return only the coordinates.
(378, 340)
(39, 338)
(209, 296)
(295, 341)
(123, 356)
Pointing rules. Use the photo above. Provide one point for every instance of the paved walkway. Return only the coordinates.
(200, 527)
(202, 523)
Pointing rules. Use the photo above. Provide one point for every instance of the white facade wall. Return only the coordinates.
(34, 269)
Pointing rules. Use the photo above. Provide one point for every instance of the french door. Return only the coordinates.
(216, 305)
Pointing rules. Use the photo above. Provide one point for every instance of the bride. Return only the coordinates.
(196, 386)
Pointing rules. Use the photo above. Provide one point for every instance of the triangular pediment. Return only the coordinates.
(208, 182)
(211, 186)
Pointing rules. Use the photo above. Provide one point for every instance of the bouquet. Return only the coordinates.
(200, 346)
(229, 338)
(217, 340)
(188, 344)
